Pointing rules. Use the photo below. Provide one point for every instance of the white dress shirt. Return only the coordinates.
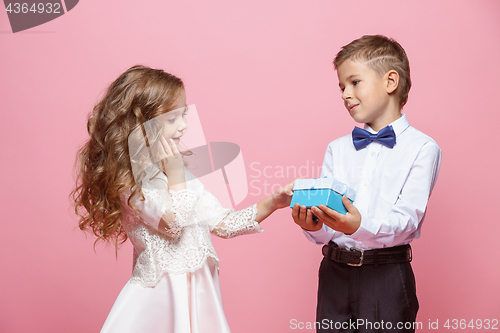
(393, 186)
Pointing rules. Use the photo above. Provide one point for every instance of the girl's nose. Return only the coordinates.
(182, 125)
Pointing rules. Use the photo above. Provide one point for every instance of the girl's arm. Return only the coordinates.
(279, 199)
(247, 221)
(168, 205)
(183, 202)
(165, 210)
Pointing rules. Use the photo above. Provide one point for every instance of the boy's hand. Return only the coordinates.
(303, 218)
(347, 224)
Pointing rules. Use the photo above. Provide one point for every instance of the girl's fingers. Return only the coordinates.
(175, 150)
(166, 146)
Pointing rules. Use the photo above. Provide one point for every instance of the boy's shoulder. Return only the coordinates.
(417, 138)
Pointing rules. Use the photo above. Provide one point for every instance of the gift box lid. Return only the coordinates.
(325, 183)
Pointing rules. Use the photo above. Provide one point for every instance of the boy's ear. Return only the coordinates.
(392, 81)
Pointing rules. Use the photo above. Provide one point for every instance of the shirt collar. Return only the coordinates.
(398, 125)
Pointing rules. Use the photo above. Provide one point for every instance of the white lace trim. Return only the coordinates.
(238, 223)
(186, 244)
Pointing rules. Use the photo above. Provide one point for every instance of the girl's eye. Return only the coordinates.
(184, 114)
(355, 82)
(171, 120)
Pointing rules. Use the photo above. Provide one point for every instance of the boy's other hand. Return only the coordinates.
(348, 223)
(303, 218)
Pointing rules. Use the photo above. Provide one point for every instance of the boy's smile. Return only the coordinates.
(367, 96)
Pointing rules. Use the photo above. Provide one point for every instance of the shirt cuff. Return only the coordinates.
(362, 234)
(320, 236)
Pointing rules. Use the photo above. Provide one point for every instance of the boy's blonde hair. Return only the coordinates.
(381, 54)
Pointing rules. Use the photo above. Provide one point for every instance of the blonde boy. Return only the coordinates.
(366, 283)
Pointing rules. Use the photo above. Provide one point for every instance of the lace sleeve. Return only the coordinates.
(173, 208)
(238, 223)
(183, 204)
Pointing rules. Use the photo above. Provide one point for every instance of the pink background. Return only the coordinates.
(261, 76)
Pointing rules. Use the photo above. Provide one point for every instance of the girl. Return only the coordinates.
(133, 183)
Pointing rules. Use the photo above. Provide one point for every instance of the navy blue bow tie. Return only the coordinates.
(362, 138)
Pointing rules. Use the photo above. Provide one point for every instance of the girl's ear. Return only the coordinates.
(392, 81)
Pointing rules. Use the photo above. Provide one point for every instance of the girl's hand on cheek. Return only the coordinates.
(173, 164)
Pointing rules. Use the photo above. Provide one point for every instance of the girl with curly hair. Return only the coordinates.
(133, 184)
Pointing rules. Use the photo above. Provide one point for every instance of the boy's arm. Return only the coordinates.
(405, 214)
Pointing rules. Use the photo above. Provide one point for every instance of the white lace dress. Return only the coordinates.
(174, 286)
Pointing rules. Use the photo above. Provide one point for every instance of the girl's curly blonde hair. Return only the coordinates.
(103, 167)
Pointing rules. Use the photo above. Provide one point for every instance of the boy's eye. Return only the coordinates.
(355, 82)
(171, 120)
(184, 114)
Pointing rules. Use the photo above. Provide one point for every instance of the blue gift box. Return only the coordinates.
(321, 191)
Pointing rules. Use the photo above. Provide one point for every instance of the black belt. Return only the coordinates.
(358, 257)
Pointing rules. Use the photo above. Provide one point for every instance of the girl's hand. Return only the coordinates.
(283, 196)
(279, 199)
(173, 164)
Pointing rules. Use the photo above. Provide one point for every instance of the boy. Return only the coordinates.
(366, 282)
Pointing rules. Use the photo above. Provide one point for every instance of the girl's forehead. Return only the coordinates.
(174, 113)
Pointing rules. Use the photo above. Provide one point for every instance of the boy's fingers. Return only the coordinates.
(309, 219)
(303, 213)
(295, 212)
(348, 205)
(325, 212)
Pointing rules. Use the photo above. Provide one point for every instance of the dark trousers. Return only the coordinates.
(368, 298)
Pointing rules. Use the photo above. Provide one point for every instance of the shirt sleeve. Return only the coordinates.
(407, 212)
(321, 236)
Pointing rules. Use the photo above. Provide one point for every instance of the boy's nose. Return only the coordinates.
(346, 95)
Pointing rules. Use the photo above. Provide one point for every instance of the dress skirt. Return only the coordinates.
(180, 303)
